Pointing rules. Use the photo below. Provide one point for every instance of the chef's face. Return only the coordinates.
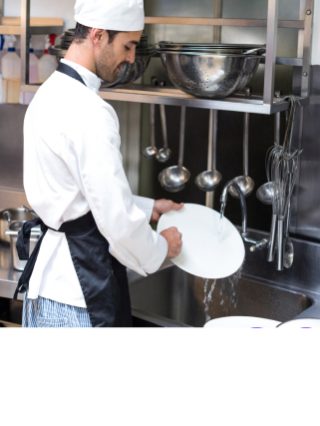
(112, 55)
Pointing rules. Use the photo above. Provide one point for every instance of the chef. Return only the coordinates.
(93, 227)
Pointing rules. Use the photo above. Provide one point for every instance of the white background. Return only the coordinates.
(160, 377)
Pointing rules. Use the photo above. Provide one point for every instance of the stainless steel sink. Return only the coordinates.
(171, 297)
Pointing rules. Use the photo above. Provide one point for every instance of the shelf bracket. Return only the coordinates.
(271, 53)
(217, 13)
(306, 12)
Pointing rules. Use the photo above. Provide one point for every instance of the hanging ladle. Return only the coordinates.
(151, 151)
(164, 153)
(174, 178)
(210, 179)
(245, 182)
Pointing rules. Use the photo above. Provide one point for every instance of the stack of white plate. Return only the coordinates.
(302, 323)
(242, 322)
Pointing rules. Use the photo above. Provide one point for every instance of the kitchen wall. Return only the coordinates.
(229, 137)
(57, 8)
(306, 220)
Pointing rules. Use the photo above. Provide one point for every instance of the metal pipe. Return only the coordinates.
(217, 13)
(271, 52)
(212, 148)
(164, 125)
(25, 38)
(228, 22)
(182, 135)
(223, 203)
(246, 144)
(307, 40)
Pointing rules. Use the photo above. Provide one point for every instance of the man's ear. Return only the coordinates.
(96, 35)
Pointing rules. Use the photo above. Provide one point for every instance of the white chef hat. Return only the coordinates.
(116, 15)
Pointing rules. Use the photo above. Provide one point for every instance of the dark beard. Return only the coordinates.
(121, 77)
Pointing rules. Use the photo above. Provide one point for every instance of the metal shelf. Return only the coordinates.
(266, 104)
(176, 97)
(179, 20)
(12, 26)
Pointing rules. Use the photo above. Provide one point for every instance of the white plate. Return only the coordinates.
(211, 247)
(301, 323)
(242, 322)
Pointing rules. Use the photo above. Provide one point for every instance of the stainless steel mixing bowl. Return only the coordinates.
(209, 75)
(213, 47)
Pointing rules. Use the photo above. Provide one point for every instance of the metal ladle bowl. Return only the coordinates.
(265, 193)
(163, 155)
(174, 178)
(151, 150)
(209, 179)
(245, 182)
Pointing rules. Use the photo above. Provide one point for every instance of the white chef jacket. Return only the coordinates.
(73, 164)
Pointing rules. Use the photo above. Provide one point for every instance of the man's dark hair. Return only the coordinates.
(81, 32)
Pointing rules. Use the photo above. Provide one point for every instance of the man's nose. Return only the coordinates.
(131, 56)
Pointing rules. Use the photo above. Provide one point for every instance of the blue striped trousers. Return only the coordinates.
(44, 312)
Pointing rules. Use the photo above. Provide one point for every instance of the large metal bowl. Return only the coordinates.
(212, 47)
(207, 74)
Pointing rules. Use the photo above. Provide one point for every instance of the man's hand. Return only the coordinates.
(174, 240)
(163, 206)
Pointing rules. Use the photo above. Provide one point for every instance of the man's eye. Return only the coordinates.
(127, 48)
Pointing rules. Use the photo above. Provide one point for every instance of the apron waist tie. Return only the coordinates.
(71, 227)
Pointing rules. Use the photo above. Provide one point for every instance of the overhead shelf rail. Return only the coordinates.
(265, 104)
(12, 25)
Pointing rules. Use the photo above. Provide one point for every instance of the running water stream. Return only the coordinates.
(208, 292)
(227, 294)
(226, 288)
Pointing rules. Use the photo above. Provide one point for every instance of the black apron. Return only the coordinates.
(102, 278)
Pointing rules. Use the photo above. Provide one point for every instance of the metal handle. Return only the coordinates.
(164, 126)
(280, 244)
(152, 125)
(272, 238)
(182, 135)
(246, 144)
(277, 120)
(290, 125)
(212, 139)
(270, 257)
